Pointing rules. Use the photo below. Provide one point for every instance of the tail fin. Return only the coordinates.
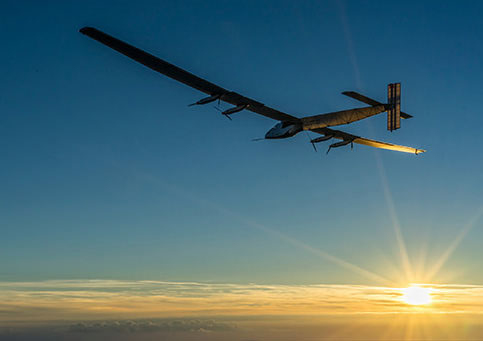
(394, 110)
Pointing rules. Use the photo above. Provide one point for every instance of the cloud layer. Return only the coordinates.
(28, 302)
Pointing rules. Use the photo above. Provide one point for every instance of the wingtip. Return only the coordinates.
(86, 29)
(405, 115)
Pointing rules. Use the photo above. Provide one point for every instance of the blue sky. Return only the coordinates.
(106, 173)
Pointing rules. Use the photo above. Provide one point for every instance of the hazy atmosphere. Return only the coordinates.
(125, 214)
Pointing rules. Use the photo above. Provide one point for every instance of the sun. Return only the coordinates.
(416, 295)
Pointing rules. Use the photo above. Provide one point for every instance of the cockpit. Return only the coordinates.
(283, 130)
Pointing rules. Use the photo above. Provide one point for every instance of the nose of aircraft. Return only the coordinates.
(269, 134)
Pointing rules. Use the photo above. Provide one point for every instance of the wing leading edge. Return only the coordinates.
(368, 142)
(183, 76)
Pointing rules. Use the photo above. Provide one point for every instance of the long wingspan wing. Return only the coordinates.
(370, 101)
(183, 76)
(361, 140)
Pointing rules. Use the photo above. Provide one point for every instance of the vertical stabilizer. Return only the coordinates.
(394, 102)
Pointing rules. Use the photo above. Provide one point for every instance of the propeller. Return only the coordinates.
(311, 141)
(227, 116)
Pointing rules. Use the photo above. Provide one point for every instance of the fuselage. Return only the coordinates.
(288, 129)
(283, 130)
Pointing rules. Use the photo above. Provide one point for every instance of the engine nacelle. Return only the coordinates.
(235, 109)
(321, 139)
(339, 144)
(207, 100)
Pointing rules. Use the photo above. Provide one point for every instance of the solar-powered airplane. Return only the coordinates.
(289, 125)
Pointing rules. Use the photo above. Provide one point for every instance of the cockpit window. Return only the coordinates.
(286, 124)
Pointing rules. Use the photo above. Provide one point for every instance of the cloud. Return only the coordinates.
(29, 302)
(146, 329)
(143, 326)
(181, 311)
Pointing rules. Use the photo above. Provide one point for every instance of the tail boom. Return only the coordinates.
(341, 117)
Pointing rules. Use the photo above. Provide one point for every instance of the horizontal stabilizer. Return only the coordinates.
(370, 101)
(361, 98)
(405, 116)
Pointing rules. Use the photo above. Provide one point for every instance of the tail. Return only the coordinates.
(394, 106)
(394, 113)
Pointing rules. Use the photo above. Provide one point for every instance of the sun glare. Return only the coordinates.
(415, 295)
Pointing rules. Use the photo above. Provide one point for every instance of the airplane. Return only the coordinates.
(289, 125)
